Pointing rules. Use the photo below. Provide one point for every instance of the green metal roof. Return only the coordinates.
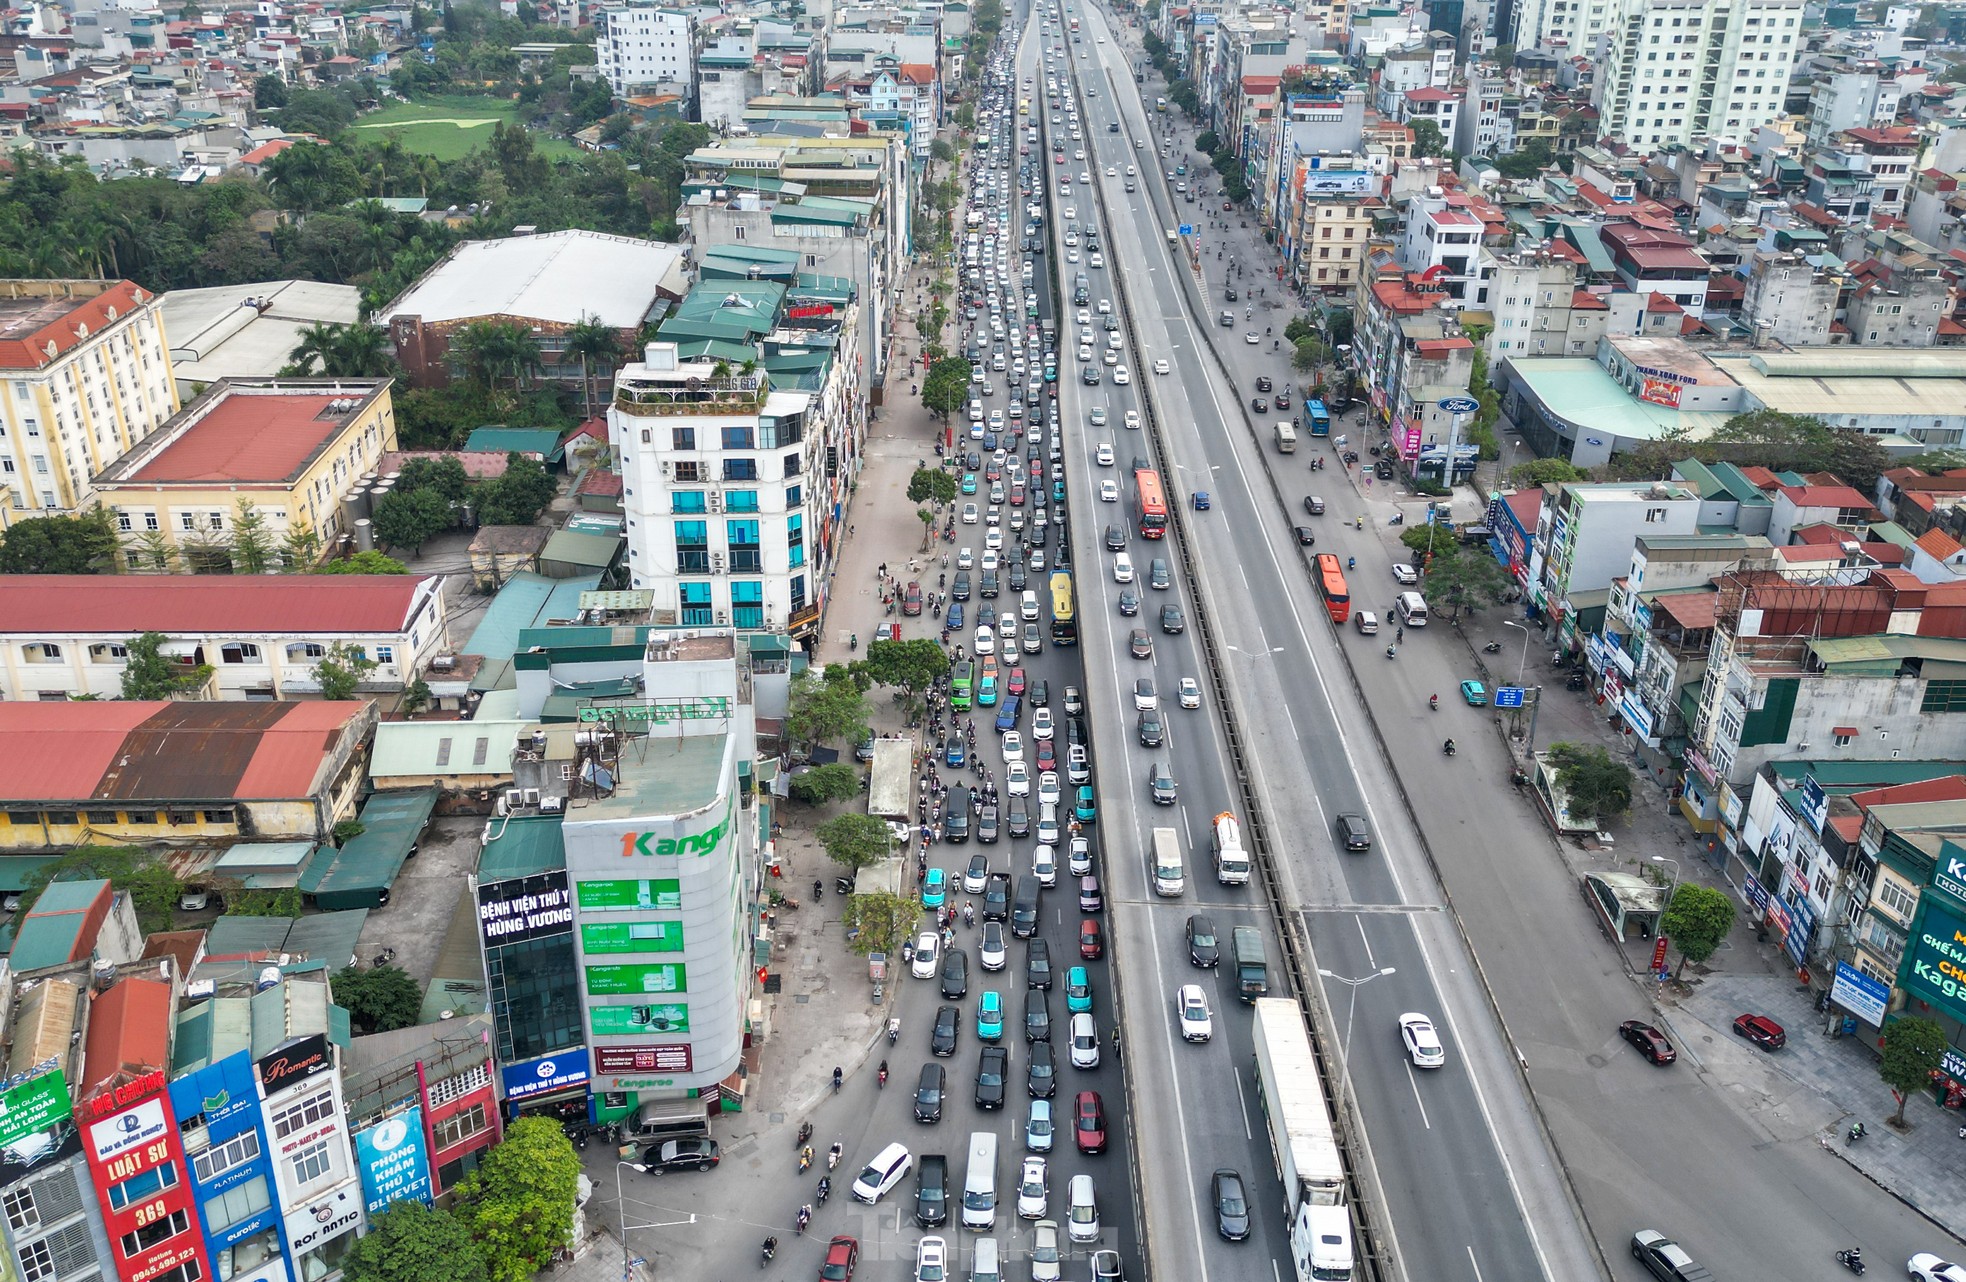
(16, 869)
(522, 847)
(542, 441)
(49, 935)
(1856, 776)
(570, 547)
(524, 602)
(356, 875)
(806, 212)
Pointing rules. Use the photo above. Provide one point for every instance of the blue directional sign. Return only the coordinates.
(1459, 404)
(1508, 696)
(1187, 229)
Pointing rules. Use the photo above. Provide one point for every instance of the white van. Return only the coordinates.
(980, 1184)
(1028, 606)
(983, 1265)
(1170, 878)
(1412, 609)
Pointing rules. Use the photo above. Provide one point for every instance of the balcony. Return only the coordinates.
(739, 394)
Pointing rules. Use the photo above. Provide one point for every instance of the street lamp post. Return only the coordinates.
(1354, 983)
(628, 1261)
(1674, 883)
(1521, 664)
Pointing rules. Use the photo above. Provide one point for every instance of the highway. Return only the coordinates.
(1464, 1179)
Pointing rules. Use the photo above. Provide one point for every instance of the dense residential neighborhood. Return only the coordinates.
(497, 497)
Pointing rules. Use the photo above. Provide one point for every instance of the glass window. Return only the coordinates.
(318, 1107)
(696, 604)
(220, 1158)
(739, 437)
(682, 438)
(147, 1184)
(687, 501)
(311, 1163)
(460, 1126)
(740, 500)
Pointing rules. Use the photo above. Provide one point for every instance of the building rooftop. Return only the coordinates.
(248, 331)
(58, 605)
(522, 847)
(664, 777)
(247, 433)
(1580, 389)
(41, 320)
(559, 277)
(129, 1033)
(1862, 381)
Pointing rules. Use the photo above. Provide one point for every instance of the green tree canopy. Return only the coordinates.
(342, 671)
(824, 709)
(1597, 786)
(1914, 1047)
(379, 999)
(82, 544)
(519, 1202)
(269, 93)
(1544, 471)
(1696, 921)
(519, 496)
(1427, 139)
(1464, 579)
(444, 474)
(835, 781)
(151, 885)
(408, 520)
(855, 841)
(946, 389)
(148, 674)
(932, 485)
(910, 666)
(370, 562)
(880, 923)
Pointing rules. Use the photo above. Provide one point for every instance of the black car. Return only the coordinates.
(955, 975)
(1037, 1015)
(1115, 538)
(1040, 694)
(932, 1190)
(1666, 1259)
(1259, 404)
(1306, 536)
(1383, 469)
(1172, 620)
(1016, 578)
(1353, 832)
(1203, 950)
(955, 824)
(1129, 601)
(988, 589)
(959, 588)
(986, 825)
(1231, 1204)
(1017, 816)
(1150, 729)
(996, 897)
(1037, 964)
(1263, 383)
(948, 1028)
(928, 1093)
(991, 1068)
(1041, 1078)
(681, 1155)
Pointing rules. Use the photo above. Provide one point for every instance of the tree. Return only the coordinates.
(519, 1202)
(820, 709)
(1503, 55)
(1309, 355)
(416, 697)
(495, 350)
(1696, 921)
(300, 548)
(1464, 580)
(147, 674)
(379, 999)
(151, 885)
(942, 151)
(411, 1242)
(1427, 139)
(1544, 471)
(444, 474)
(1596, 786)
(269, 93)
(1913, 1049)
(409, 520)
(598, 345)
(932, 485)
(342, 670)
(836, 781)
(81, 544)
(1208, 142)
(855, 841)
(519, 496)
(909, 666)
(946, 389)
(252, 540)
(1531, 160)
(880, 922)
(370, 562)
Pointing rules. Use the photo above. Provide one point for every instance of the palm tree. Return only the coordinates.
(317, 343)
(491, 348)
(361, 351)
(592, 341)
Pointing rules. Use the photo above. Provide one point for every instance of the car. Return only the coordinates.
(1283, 400)
(1038, 1127)
(1201, 500)
(1121, 376)
(1041, 695)
(1082, 1210)
(1926, 1267)
(1016, 781)
(1092, 943)
(1015, 681)
(1044, 866)
(1037, 964)
(1649, 1041)
(1474, 694)
(989, 1016)
(1252, 338)
(1115, 538)
(1150, 730)
(1263, 383)
(988, 824)
(1041, 724)
(929, 1089)
(1106, 1262)
(1045, 1260)
(1047, 756)
(969, 513)
(1259, 404)
(996, 897)
(1084, 808)
(955, 975)
(1314, 505)
(928, 952)
(932, 1259)
(1189, 692)
(1366, 622)
(1037, 1015)
(1191, 1010)
(1161, 787)
(1172, 620)
(1405, 574)
(1422, 1042)
(1203, 950)
(1079, 856)
(935, 888)
(945, 1033)
(1078, 990)
(1762, 1031)
(1160, 367)
(977, 874)
(879, 1176)
(1666, 1259)
(932, 1190)
(1353, 832)
(1033, 1189)
(842, 1254)
(1040, 1073)
(1139, 644)
(1013, 747)
(1145, 698)
(682, 1155)
(992, 1066)
(1129, 602)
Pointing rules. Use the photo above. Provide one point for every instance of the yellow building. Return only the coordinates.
(290, 447)
(85, 374)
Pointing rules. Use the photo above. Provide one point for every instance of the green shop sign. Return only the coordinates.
(632, 937)
(33, 1106)
(661, 713)
(1935, 960)
(629, 896)
(628, 978)
(638, 1021)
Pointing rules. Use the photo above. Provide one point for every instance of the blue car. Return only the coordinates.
(1085, 812)
(1058, 491)
(969, 483)
(989, 440)
(1201, 501)
(989, 1017)
(1475, 693)
(1078, 990)
(955, 755)
(935, 888)
(955, 620)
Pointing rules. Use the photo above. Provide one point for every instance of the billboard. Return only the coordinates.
(643, 1059)
(33, 1105)
(1859, 994)
(638, 1021)
(395, 1166)
(1934, 966)
(1337, 182)
(1659, 391)
(625, 979)
(294, 1063)
(522, 908)
(629, 896)
(545, 1075)
(632, 937)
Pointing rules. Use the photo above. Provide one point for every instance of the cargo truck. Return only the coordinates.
(1231, 860)
(1252, 968)
(1306, 1143)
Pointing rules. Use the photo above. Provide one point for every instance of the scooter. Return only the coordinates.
(1392, 652)
(1493, 647)
(805, 1133)
(1856, 1133)
(1448, 747)
(833, 1155)
(1852, 1259)
(825, 1189)
(805, 1159)
(767, 1252)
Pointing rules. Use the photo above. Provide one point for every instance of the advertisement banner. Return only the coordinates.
(294, 1063)
(322, 1221)
(637, 1021)
(629, 896)
(129, 1129)
(395, 1167)
(545, 1075)
(625, 979)
(643, 1059)
(522, 908)
(1660, 391)
(632, 937)
(34, 1105)
(1935, 956)
(1859, 994)
(1802, 927)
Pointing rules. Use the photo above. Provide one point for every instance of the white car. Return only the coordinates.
(1145, 697)
(1160, 367)
(1041, 724)
(1111, 356)
(931, 1260)
(1109, 491)
(1252, 338)
(1122, 568)
(966, 559)
(1017, 779)
(1111, 172)
(1105, 307)
(1133, 420)
(1096, 260)
(1045, 1265)
(928, 950)
(1044, 866)
(1191, 1005)
(1926, 1267)
(1082, 1219)
(991, 951)
(969, 514)
(1121, 377)
(1013, 748)
(880, 1176)
(1033, 1189)
(994, 539)
(1104, 454)
(1085, 1041)
(1048, 788)
(1422, 1042)
(1079, 858)
(1405, 574)
(1097, 417)
(985, 640)
(991, 559)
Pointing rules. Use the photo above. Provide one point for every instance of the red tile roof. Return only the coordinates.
(1429, 93)
(1584, 300)
(266, 151)
(1836, 496)
(1939, 545)
(249, 438)
(129, 1034)
(26, 342)
(124, 605)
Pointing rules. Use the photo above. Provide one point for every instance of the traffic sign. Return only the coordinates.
(1459, 404)
(1508, 696)
(1188, 229)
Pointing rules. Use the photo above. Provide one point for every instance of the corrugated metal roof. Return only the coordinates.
(526, 600)
(44, 1022)
(568, 547)
(357, 874)
(326, 938)
(129, 1033)
(58, 605)
(417, 748)
(522, 847)
(16, 869)
(524, 440)
(560, 276)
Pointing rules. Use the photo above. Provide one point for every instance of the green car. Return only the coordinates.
(1078, 990)
(969, 482)
(989, 1017)
(1084, 811)
(1475, 693)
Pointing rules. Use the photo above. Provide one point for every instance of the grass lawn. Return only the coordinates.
(451, 128)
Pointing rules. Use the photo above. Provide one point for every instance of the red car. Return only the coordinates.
(1762, 1031)
(1089, 1122)
(1014, 683)
(1650, 1042)
(1091, 943)
(911, 601)
(1047, 756)
(842, 1253)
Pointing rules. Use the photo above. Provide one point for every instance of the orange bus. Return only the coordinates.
(1152, 513)
(1331, 586)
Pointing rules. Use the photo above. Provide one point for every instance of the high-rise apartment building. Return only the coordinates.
(1672, 71)
(642, 49)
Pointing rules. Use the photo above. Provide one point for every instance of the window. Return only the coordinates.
(1654, 515)
(187, 522)
(743, 539)
(695, 599)
(738, 437)
(385, 654)
(124, 524)
(460, 1126)
(1896, 898)
(740, 500)
(37, 1262)
(238, 652)
(795, 536)
(687, 501)
(138, 1187)
(682, 438)
(747, 604)
(20, 1209)
(794, 495)
(1842, 740)
(1944, 696)
(318, 1107)
(458, 1085)
(740, 469)
(238, 1203)
(220, 1158)
(692, 547)
(186, 1272)
(150, 521)
(798, 592)
(307, 650)
(311, 1163)
(156, 1232)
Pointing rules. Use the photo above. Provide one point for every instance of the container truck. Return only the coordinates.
(1306, 1143)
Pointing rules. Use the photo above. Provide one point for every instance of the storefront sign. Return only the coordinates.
(322, 1221)
(637, 977)
(628, 896)
(522, 908)
(1814, 804)
(1859, 994)
(118, 1098)
(632, 937)
(1935, 956)
(395, 1167)
(654, 843)
(638, 1021)
(133, 1128)
(643, 1059)
(1950, 873)
(295, 1062)
(1659, 391)
(34, 1105)
(546, 1075)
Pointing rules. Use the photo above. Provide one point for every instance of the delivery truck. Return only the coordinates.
(1231, 860)
(1306, 1143)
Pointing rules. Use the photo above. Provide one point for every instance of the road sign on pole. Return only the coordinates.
(1188, 229)
(1508, 696)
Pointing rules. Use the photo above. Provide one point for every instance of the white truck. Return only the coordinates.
(1231, 860)
(1306, 1144)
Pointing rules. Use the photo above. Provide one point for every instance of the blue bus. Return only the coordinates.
(1317, 417)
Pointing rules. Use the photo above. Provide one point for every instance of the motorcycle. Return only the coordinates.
(1433, 703)
(1493, 647)
(1351, 563)
(768, 1252)
(805, 1159)
(893, 1029)
(805, 1133)
(833, 1154)
(1448, 747)
(843, 885)
(1392, 652)
(805, 1218)
(825, 1189)
(1856, 1133)
(1399, 518)
(1852, 1259)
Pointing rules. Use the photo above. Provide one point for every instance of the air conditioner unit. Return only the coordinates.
(723, 616)
(514, 798)
(716, 501)
(551, 805)
(532, 796)
(716, 563)
(668, 469)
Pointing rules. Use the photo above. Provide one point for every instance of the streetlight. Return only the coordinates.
(621, 1209)
(1674, 883)
(1522, 663)
(1351, 1007)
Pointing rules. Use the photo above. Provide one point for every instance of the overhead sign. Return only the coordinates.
(34, 1105)
(1814, 804)
(1935, 956)
(546, 1075)
(1459, 404)
(631, 937)
(395, 1167)
(522, 908)
(707, 708)
(1859, 994)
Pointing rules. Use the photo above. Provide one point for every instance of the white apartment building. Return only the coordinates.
(727, 486)
(85, 373)
(1673, 71)
(1560, 27)
(642, 49)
